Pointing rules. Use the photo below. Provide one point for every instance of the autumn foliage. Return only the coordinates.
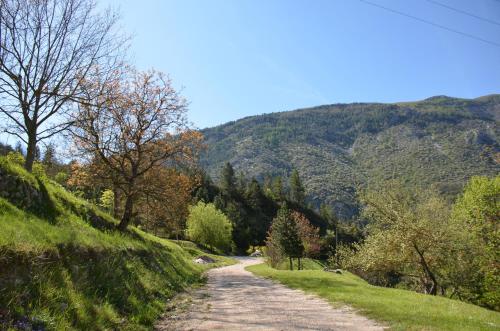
(132, 126)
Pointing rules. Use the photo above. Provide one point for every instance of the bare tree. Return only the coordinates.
(47, 48)
(130, 126)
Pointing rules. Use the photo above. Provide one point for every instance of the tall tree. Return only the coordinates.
(47, 49)
(228, 179)
(208, 226)
(285, 232)
(411, 233)
(308, 234)
(478, 212)
(165, 198)
(297, 190)
(132, 126)
(277, 189)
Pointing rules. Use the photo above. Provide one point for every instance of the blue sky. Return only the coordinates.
(244, 57)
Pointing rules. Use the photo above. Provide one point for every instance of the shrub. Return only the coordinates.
(208, 226)
(39, 170)
(15, 158)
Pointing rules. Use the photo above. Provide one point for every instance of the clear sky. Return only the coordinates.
(236, 58)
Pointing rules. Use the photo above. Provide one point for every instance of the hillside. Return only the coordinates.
(64, 266)
(440, 140)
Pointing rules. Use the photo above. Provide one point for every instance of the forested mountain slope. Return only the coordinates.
(440, 140)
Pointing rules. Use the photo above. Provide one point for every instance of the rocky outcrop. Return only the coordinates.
(19, 192)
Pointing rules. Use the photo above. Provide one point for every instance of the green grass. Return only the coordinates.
(307, 264)
(64, 267)
(399, 309)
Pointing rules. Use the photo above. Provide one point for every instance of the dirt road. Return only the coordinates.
(235, 299)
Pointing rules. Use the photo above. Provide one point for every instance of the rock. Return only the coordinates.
(337, 271)
(257, 253)
(203, 259)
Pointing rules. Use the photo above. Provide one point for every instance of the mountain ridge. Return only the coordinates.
(440, 140)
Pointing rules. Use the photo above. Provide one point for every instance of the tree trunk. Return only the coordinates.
(116, 202)
(433, 288)
(300, 265)
(127, 213)
(30, 152)
(291, 263)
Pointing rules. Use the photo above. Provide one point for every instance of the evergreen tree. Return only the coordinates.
(254, 195)
(49, 160)
(297, 190)
(332, 234)
(286, 233)
(228, 180)
(219, 202)
(278, 192)
(241, 182)
(241, 229)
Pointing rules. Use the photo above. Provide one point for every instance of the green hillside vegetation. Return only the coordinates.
(64, 266)
(399, 309)
(336, 148)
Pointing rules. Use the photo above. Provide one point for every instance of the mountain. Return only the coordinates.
(336, 148)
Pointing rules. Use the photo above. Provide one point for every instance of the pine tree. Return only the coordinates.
(297, 190)
(241, 182)
(278, 192)
(286, 232)
(254, 194)
(332, 236)
(228, 180)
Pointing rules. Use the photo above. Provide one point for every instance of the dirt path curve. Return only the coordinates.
(235, 299)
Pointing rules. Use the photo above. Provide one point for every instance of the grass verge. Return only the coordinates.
(63, 266)
(400, 309)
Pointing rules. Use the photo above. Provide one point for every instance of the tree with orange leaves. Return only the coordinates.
(308, 234)
(133, 123)
(166, 195)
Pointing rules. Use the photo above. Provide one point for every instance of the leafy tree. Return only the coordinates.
(410, 233)
(166, 195)
(478, 212)
(130, 125)
(308, 234)
(285, 233)
(208, 226)
(297, 190)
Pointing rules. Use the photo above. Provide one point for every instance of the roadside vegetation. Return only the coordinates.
(86, 236)
(65, 266)
(399, 309)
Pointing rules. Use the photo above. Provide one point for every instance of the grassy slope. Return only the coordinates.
(64, 267)
(402, 310)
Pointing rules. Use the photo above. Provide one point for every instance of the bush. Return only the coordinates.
(39, 170)
(16, 158)
(61, 178)
(208, 226)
